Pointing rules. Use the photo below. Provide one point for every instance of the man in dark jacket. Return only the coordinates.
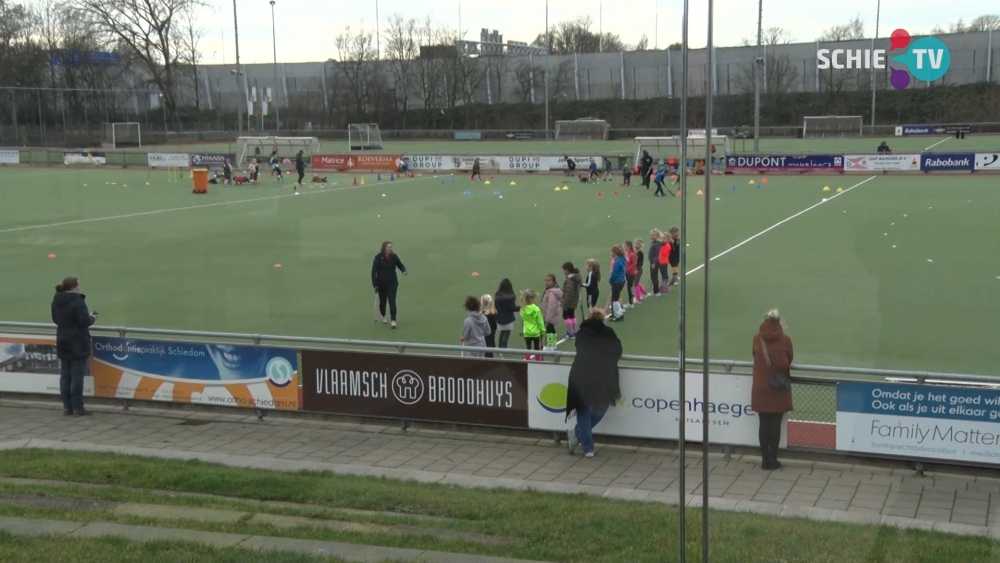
(73, 321)
(384, 279)
(645, 168)
(300, 167)
(593, 380)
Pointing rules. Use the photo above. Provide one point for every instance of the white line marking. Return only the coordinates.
(937, 143)
(779, 223)
(172, 209)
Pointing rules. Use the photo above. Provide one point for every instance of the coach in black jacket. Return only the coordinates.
(384, 279)
(73, 321)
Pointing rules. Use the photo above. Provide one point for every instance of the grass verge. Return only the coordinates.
(568, 528)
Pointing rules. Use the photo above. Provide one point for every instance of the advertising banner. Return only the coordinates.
(429, 162)
(168, 160)
(947, 162)
(988, 161)
(10, 157)
(522, 163)
(28, 364)
(84, 158)
(915, 130)
(468, 135)
(520, 135)
(204, 160)
(435, 389)
(650, 406)
(881, 162)
(185, 372)
(346, 162)
(552, 163)
(784, 163)
(932, 422)
(485, 162)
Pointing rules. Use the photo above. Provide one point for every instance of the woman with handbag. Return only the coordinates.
(771, 396)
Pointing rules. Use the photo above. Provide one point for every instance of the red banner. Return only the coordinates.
(346, 162)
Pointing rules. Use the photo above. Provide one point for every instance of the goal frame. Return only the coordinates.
(112, 125)
(309, 145)
(696, 148)
(359, 137)
(839, 132)
(603, 136)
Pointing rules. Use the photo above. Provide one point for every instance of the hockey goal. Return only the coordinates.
(832, 126)
(121, 134)
(585, 129)
(261, 147)
(664, 148)
(364, 137)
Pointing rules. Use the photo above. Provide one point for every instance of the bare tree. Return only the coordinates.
(527, 76)
(985, 22)
(190, 37)
(854, 29)
(575, 36)
(148, 29)
(642, 44)
(402, 49)
(560, 83)
(431, 68)
(774, 35)
(357, 54)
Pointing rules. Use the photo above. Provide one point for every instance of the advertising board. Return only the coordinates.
(429, 162)
(28, 364)
(749, 163)
(881, 162)
(10, 157)
(468, 135)
(168, 160)
(346, 162)
(209, 160)
(947, 162)
(988, 161)
(79, 157)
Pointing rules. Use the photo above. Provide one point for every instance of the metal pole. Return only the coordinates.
(682, 355)
(709, 98)
(656, 26)
(274, 43)
(600, 27)
(759, 66)
(548, 53)
(378, 39)
(878, 13)
(239, 103)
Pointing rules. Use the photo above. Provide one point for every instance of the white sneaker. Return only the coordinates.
(628, 306)
(393, 324)
(385, 320)
(588, 454)
(571, 441)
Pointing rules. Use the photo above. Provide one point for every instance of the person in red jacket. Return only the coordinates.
(631, 269)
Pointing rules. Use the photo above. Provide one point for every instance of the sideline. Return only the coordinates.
(938, 143)
(202, 206)
(779, 223)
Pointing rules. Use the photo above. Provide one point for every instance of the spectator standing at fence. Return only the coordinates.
(73, 321)
(490, 312)
(593, 380)
(617, 281)
(476, 328)
(531, 318)
(772, 355)
(506, 304)
(384, 279)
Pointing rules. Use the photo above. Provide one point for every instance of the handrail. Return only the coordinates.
(921, 376)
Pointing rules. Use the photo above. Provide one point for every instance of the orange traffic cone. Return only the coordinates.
(355, 180)
(599, 194)
(700, 193)
(614, 192)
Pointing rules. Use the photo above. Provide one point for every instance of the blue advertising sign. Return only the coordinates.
(784, 163)
(73, 57)
(915, 130)
(952, 423)
(468, 135)
(947, 162)
(203, 159)
(187, 372)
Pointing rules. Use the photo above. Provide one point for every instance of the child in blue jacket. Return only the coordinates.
(617, 281)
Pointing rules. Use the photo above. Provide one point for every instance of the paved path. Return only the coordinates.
(963, 504)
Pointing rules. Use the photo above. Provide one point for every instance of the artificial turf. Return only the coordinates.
(894, 273)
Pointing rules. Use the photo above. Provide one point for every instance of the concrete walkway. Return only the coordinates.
(346, 551)
(959, 504)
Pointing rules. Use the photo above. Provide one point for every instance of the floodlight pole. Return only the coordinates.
(878, 13)
(548, 52)
(274, 44)
(682, 355)
(709, 99)
(239, 104)
(378, 39)
(759, 62)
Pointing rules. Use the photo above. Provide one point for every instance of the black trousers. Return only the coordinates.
(533, 342)
(386, 293)
(504, 338)
(592, 294)
(629, 284)
(769, 435)
(654, 277)
(302, 174)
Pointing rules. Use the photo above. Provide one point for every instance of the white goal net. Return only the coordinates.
(364, 137)
(582, 130)
(665, 148)
(832, 126)
(261, 147)
(123, 134)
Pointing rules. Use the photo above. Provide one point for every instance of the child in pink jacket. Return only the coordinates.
(551, 310)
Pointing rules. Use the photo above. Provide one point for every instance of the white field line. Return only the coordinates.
(779, 223)
(937, 143)
(189, 207)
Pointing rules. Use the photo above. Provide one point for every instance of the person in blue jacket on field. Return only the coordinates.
(594, 174)
(659, 179)
(617, 280)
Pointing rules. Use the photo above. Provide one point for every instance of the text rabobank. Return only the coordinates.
(947, 162)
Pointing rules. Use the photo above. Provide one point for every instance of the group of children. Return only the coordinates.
(495, 313)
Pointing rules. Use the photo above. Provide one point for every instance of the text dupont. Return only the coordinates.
(867, 58)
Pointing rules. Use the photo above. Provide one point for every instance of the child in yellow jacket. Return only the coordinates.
(531, 316)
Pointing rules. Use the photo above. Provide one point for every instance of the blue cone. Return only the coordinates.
(452, 180)
(442, 182)
(758, 186)
(496, 192)
(734, 186)
(467, 192)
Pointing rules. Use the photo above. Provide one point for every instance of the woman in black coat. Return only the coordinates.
(73, 321)
(506, 304)
(593, 380)
(384, 279)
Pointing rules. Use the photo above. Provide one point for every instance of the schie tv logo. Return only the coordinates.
(927, 59)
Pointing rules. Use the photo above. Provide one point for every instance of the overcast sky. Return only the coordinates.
(306, 28)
